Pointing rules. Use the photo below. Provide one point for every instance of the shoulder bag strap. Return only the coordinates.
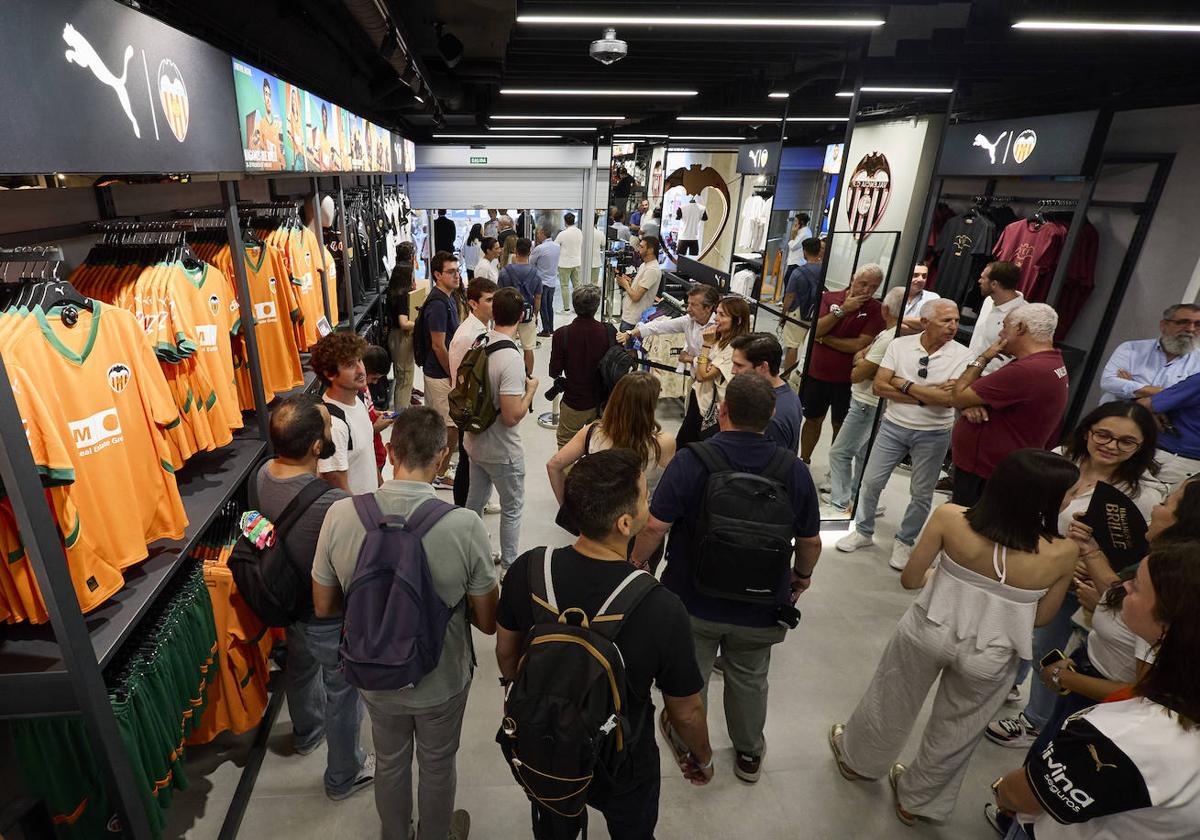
(587, 438)
(301, 502)
(780, 466)
(339, 412)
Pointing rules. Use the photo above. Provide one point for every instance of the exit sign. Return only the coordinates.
(478, 160)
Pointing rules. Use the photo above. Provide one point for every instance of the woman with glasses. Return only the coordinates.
(1115, 443)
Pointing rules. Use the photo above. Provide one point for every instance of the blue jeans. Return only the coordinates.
(548, 308)
(1046, 638)
(892, 443)
(849, 449)
(321, 702)
(509, 480)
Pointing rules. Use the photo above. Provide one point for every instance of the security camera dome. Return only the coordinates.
(609, 48)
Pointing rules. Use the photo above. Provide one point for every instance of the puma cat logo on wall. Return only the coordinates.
(983, 143)
(82, 53)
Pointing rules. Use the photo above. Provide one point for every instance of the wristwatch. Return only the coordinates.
(837, 311)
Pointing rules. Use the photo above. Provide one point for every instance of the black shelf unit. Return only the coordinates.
(34, 678)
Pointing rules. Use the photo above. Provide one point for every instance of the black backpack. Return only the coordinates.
(566, 714)
(743, 535)
(615, 363)
(422, 341)
(270, 581)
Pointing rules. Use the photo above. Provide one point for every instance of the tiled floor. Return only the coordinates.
(817, 676)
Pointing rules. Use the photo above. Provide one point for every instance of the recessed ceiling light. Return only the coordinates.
(559, 117)
(540, 128)
(818, 119)
(731, 119)
(779, 94)
(497, 136)
(1107, 26)
(636, 136)
(677, 20)
(697, 137)
(876, 89)
(595, 92)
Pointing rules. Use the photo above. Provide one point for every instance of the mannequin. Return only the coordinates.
(692, 214)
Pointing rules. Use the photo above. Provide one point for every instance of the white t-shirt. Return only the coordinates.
(354, 442)
(1112, 647)
(864, 391)
(466, 334)
(648, 277)
(987, 329)
(692, 213)
(1119, 771)
(947, 362)
(570, 240)
(487, 269)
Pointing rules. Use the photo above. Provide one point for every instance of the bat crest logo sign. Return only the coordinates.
(1024, 144)
(172, 94)
(694, 179)
(867, 193)
(118, 377)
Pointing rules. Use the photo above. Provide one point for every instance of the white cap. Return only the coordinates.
(328, 211)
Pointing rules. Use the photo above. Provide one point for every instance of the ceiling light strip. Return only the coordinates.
(497, 136)
(541, 128)
(886, 89)
(562, 117)
(597, 92)
(706, 21)
(675, 137)
(756, 120)
(1108, 26)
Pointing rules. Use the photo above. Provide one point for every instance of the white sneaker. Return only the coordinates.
(1017, 732)
(829, 511)
(491, 508)
(1014, 694)
(854, 541)
(899, 558)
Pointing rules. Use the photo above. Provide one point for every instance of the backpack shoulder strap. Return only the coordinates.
(369, 513)
(622, 602)
(541, 587)
(493, 346)
(710, 456)
(780, 466)
(301, 502)
(426, 515)
(337, 411)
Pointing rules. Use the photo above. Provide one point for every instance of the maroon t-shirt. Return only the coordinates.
(831, 365)
(1025, 400)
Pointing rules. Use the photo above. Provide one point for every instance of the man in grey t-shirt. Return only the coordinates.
(497, 455)
(459, 559)
(321, 704)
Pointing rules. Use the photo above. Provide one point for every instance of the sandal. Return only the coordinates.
(836, 733)
(894, 777)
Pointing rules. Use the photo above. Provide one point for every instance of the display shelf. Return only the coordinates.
(362, 311)
(33, 677)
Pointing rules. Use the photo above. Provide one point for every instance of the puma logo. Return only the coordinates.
(1100, 765)
(81, 52)
(983, 143)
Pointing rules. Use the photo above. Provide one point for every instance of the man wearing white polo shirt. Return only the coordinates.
(998, 282)
(570, 258)
(910, 427)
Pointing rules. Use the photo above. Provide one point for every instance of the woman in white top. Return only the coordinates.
(713, 369)
(471, 249)
(489, 252)
(1002, 568)
(1129, 768)
(628, 422)
(1115, 443)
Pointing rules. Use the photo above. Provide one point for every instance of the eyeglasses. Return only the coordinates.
(454, 272)
(923, 372)
(1123, 444)
(1184, 323)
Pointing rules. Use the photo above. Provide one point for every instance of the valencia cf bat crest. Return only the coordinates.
(867, 191)
(693, 180)
(172, 93)
(118, 377)
(1024, 144)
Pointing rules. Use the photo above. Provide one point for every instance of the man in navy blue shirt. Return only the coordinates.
(743, 632)
(801, 293)
(761, 353)
(1178, 410)
(441, 319)
(524, 276)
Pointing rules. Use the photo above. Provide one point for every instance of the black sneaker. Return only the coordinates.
(748, 767)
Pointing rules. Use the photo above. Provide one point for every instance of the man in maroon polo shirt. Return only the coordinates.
(847, 322)
(1019, 406)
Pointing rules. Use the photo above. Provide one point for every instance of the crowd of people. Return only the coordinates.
(692, 549)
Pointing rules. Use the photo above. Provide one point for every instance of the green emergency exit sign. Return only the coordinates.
(482, 161)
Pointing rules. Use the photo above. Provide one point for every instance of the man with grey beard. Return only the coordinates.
(1142, 368)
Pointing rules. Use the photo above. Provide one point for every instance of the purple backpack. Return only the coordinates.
(395, 622)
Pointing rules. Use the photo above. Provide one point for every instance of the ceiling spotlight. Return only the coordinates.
(609, 49)
(781, 94)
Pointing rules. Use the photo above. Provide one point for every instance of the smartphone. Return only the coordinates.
(1053, 656)
(388, 415)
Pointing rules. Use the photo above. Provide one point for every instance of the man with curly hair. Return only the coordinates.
(337, 361)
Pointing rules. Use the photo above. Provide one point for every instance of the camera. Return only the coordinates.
(608, 48)
(560, 385)
(787, 616)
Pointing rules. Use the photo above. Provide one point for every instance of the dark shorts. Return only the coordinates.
(818, 397)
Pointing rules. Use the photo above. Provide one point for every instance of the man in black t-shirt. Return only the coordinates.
(605, 494)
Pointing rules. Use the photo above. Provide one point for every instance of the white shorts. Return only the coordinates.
(528, 334)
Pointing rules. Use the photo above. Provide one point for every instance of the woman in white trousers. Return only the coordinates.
(989, 574)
